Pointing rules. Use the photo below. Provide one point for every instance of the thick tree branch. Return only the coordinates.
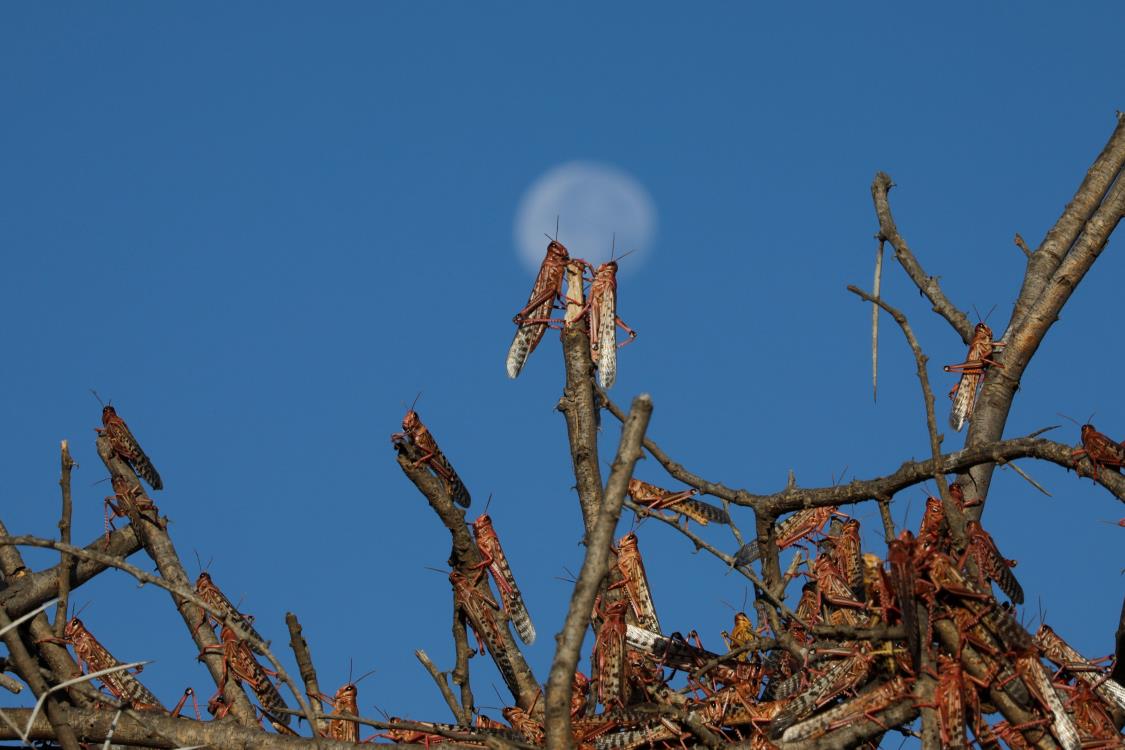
(581, 413)
(1059, 239)
(1042, 300)
(926, 284)
(29, 591)
(159, 731)
(594, 569)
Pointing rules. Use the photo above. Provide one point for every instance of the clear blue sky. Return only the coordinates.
(260, 229)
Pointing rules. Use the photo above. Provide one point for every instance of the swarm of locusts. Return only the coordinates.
(849, 640)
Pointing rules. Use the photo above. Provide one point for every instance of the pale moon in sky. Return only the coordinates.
(593, 202)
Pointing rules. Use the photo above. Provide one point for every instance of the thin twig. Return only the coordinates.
(952, 511)
(66, 562)
(594, 569)
(443, 686)
(1022, 245)
(674, 469)
(926, 284)
(876, 288)
(305, 666)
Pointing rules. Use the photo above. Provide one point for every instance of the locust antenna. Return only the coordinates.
(99, 398)
(556, 227)
(1072, 419)
(436, 570)
(724, 601)
(415, 401)
(361, 677)
(486, 504)
(745, 596)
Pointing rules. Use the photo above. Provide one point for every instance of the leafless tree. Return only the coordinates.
(876, 642)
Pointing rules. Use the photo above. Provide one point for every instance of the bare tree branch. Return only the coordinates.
(594, 569)
(926, 284)
(66, 563)
(305, 667)
(952, 512)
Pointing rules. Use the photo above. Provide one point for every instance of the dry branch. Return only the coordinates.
(591, 577)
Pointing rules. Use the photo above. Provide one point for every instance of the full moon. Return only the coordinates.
(598, 207)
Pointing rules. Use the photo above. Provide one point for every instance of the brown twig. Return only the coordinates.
(1022, 245)
(952, 512)
(463, 652)
(926, 284)
(674, 469)
(594, 569)
(305, 667)
(443, 686)
(66, 563)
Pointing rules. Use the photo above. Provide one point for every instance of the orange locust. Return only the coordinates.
(126, 446)
(1100, 450)
(990, 563)
(1063, 654)
(128, 499)
(658, 498)
(239, 660)
(604, 322)
(1062, 725)
(94, 657)
(535, 316)
(481, 612)
(345, 702)
(219, 602)
(976, 362)
(632, 569)
(496, 562)
(799, 526)
(609, 655)
(417, 434)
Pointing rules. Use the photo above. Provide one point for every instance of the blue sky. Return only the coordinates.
(261, 229)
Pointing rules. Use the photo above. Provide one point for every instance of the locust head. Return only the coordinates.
(74, 628)
(108, 414)
(483, 524)
(411, 421)
(982, 332)
(557, 253)
(346, 698)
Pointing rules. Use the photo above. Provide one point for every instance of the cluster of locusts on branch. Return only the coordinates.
(869, 645)
(864, 631)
